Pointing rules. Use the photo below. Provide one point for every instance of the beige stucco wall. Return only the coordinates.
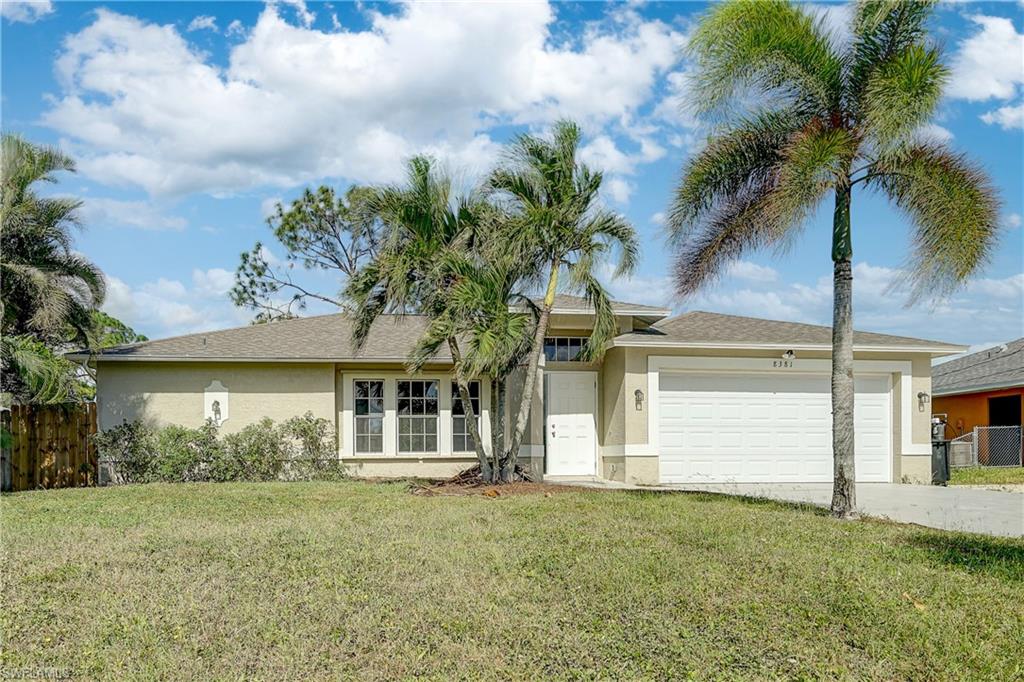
(172, 393)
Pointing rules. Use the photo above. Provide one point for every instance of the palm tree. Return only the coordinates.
(483, 310)
(828, 117)
(49, 292)
(558, 221)
(423, 224)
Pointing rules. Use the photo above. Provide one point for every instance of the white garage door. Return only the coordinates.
(769, 427)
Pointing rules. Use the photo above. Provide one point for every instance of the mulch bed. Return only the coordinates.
(468, 482)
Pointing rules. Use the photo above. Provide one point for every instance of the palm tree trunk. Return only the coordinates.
(486, 471)
(843, 492)
(531, 370)
(498, 427)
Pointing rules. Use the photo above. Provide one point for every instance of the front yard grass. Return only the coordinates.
(987, 476)
(357, 580)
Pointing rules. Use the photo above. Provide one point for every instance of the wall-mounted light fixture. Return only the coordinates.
(639, 395)
(922, 400)
(788, 355)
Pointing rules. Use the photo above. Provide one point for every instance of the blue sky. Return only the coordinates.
(189, 119)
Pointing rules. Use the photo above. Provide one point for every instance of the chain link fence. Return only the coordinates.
(991, 446)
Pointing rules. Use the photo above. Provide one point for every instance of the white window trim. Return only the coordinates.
(444, 416)
(657, 363)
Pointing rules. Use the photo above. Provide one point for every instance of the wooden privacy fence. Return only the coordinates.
(50, 446)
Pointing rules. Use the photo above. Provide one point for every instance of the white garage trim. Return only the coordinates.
(657, 363)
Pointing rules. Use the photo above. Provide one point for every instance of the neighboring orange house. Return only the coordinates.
(981, 389)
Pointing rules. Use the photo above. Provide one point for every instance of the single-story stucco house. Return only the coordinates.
(981, 389)
(701, 397)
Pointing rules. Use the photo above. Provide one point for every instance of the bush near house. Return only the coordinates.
(301, 448)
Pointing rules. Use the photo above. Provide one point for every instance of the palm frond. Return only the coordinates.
(770, 46)
(954, 209)
(901, 94)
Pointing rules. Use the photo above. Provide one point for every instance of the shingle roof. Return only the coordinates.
(701, 327)
(324, 337)
(1000, 367)
(329, 338)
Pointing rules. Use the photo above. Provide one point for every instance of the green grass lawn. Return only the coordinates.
(987, 476)
(356, 580)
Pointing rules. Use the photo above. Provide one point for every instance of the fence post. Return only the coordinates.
(974, 447)
(6, 442)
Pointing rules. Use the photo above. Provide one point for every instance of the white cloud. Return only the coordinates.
(268, 206)
(203, 22)
(213, 282)
(1012, 220)
(25, 11)
(984, 308)
(1008, 117)
(167, 307)
(235, 28)
(934, 133)
(618, 189)
(658, 218)
(436, 76)
(752, 272)
(142, 215)
(990, 63)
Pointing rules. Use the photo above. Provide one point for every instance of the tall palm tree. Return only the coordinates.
(49, 292)
(423, 223)
(826, 118)
(559, 222)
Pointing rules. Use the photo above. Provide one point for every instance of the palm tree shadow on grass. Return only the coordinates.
(998, 557)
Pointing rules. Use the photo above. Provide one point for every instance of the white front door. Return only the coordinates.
(571, 423)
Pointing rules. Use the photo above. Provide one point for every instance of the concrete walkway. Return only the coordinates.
(963, 509)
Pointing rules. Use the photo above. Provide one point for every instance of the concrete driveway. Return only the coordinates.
(963, 509)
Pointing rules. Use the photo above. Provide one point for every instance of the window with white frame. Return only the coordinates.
(417, 415)
(563, 348)
(368, 398)
(462, 441)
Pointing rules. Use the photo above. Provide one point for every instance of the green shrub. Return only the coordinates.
(302, 448)
(184, 454)
(256, 453)
(130, 448)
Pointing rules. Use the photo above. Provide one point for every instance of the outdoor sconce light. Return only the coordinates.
(639, 395)
(788, 355)
(922, 400)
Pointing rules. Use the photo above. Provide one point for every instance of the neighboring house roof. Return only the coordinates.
(328, 338)
(703, 329)
(990, 369)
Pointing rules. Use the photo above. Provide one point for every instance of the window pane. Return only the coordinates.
(377, 389)
(404, 408)
(361, 443)
(430, 406)
(430, 444)
(376, 426)
(403, 444)
(574, 348)
(362, 406)
(474, 389)
(431, 390)
(562, 352)
(430, 425)
(376, 406)
(549, 348)
(361, 389)
(403, 389)
(377, 443)
(417, 389)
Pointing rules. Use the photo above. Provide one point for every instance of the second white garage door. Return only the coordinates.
(765, 428)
